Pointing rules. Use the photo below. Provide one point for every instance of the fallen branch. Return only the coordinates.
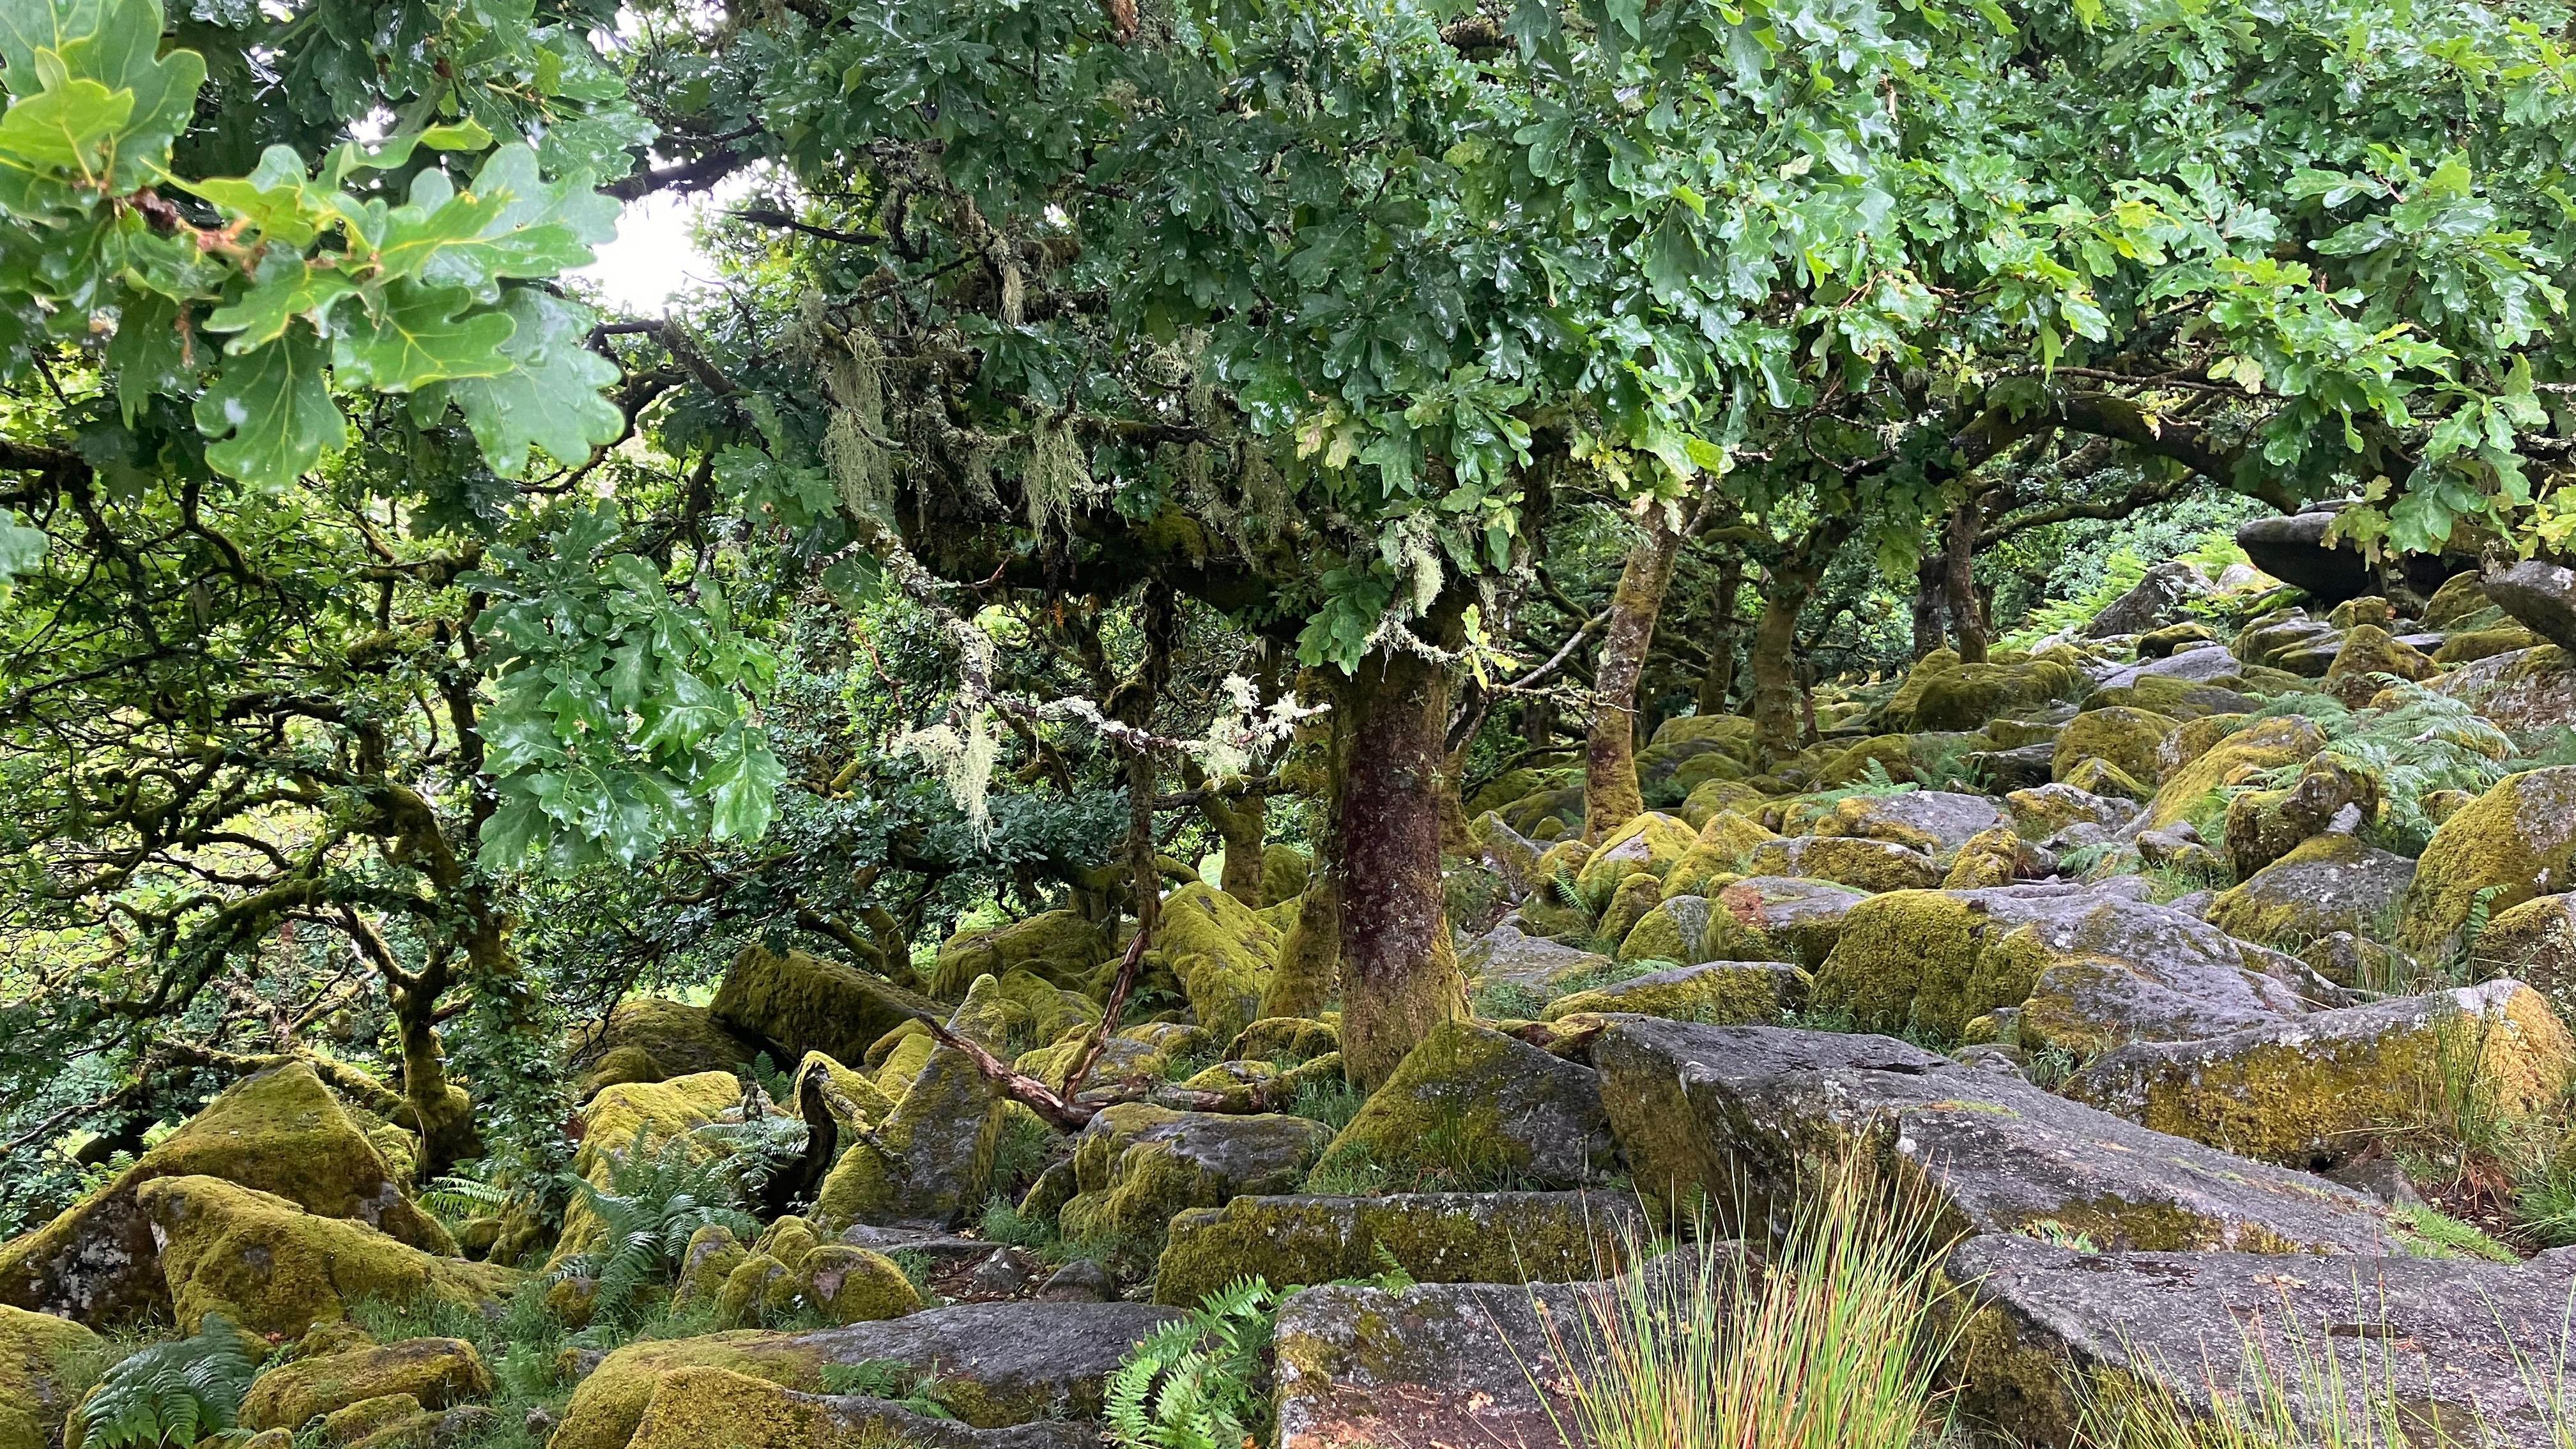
(1129, 968)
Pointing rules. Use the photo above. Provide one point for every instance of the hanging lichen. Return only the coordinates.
(1411, 548)
(963, 760)
(1056, 477)
(853, 444)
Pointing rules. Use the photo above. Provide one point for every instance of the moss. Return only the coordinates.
(1850, 763)
(902, 1065)
(1464, 1106)
(712, 1255)
(2460, 595)
(651, 1039)
(2161, 643)
(2516, 842)
(1856, 861)
(368, 1418)
(1433, 1237)
(1990, 858)
(1221, 952)
(1658, 936)
(931, 1159)
(278, 1269)
(1965, 696)
(1138, 1164)
(1284, 1040)
(2043, 811)
(46, 1365)
(1635, 899)
(2193, 791)
(1926, 963)
(2298, 1095)
(1709, 797)
(611, 1401)
(279, 1131)
(1651, 843)
(803, 1003)
(2131, 739)
(435, 1372)
(2369, 649)
(692, 1408)
(1752, 921)
(1058, 947)
(2472, 645)
(665, 1112)
(1722, 993)
(2101, 777)
(2426, 1233)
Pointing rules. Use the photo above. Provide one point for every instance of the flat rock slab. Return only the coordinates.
(991, 1364)
(1437, 1366)
(697, 1408)
(1437, 1237)
(1738, 1117)
(2437, 1339)
(2313, 1091)
(1506, 956)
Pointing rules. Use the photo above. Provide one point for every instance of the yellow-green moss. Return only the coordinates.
(46, 1364)
(1990, 858)
(2515, 842)
(1926, 962)
(2369, 649)
(1725, 993)
(2096, 776)
(2192, 791)
(1712, 796)
(1059, 947)
(1856, 861)
(2469, 646)
(652, 1038)
(1434, 1238)
(1636, 897)
(931, 1159)
(902, 1064)
(712, 1255)
(278, 1269)
(2131, 739)
(1221, 951)
(1651, 843)
(806, 1003)
(436, 1372)
(664, 1112)
(1658, 936)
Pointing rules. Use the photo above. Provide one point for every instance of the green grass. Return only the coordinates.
(1831, 1344)
(1333, 1102)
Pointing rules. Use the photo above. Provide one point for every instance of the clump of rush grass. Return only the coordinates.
(2292, 1396)
(1830, 1341)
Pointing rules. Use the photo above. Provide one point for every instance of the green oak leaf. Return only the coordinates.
(275, 198)
(261, 315)
(125, 55)
(269, 415)
(28, 26)
(742, 778)
(417, 335)
(553, 396)
(65, 127)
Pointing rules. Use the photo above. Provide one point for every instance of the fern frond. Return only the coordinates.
(172, 1394)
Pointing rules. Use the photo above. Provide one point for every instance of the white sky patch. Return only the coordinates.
(653, 257)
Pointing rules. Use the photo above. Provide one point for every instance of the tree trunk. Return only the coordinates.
(433, 1106)
(1241, 824)
(1775, 658)
(1717, 681)
(1611, 797)
(1967, 619)
(1928, 579)
(1399, 973)
(1310, 959)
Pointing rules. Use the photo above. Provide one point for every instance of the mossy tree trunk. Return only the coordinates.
(1774, 657)
(1399, 974)
(1967, 617)
(1717, 680)
(1928, 585)
(1310, 959)
(1610, 793)
(1242, 826)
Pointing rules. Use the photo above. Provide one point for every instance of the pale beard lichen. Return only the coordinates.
(1057, 476)
(963, 760)
(853, 446)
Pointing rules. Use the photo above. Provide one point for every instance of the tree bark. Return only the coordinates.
(1399, 974)
(1717, 681)
(1967, 618)
(1241, 824)
(1611, 796)
(1774, 658)
(1928, 579)
(1310, 959)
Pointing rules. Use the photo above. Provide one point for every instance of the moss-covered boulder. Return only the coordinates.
(1935, 822)
(1721, 993)
(692, 1408)
(652, 1039)
(1712, 796)
(2180, 699)
(436, 1372)
(931, 1160)
(658, 1116)
(1435, 1237)
(1670, 931)
(2313, 1091)
(710, 1258)
(2132, 739)
(989, 1364)
(800, 1003)
(2367, 653)
(1136, 1165)
(1965, 696)
(1778, 918)
(2195, 792)
(2160, 643)
(853, 1285)
(1062, 947)
(279, 1131)
(1635, 898)
(46, 1364)
(1856, 861)
(1222, 952)
(2329, 883)
(2534, 943)
(2044, 810)
(2096, 776)
(275, 1268)
(2263, 826)
(1471, 1104)
(1652, 843)
(1742, 1118)
(2518, 841)
(2471, 645)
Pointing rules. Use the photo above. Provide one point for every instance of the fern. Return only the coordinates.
(178, 1394)
(456, 1199)
(1196, 1383)
(892, 1380)
(655, 1200)
(1560, 887)
(2423, 743)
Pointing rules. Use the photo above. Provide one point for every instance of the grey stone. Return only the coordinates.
(2522, 689)
(1080, 1281)
(2540, 596)
(1507, 956)
(1738, 1117)
(2294, 550)
(1778, 918)
(2449, 1342)
(2152, 603)
(1516, 1109)
(2022, 768)
(2324, 886)
(2192, 666)
(1946, 819)
(1436, 1237)
(1874, 865)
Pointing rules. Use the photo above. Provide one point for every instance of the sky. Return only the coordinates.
(652, 257)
